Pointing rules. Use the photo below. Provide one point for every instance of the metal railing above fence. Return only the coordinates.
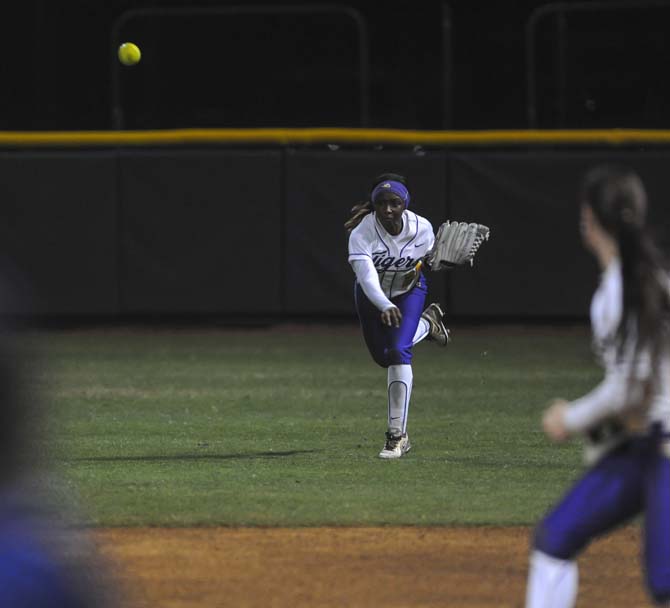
(118, 118)
(561, 10)
(333, 137)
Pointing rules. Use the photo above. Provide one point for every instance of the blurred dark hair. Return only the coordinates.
(360, 210)
(618, 199)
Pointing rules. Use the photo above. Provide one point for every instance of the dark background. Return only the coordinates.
(242, 232)
(431, 64)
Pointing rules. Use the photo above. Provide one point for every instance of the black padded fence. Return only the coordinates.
(260, 232)
(60, 229)
(535, 264)
(200, 233)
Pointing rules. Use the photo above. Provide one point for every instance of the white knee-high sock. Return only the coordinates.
(552, 582)
(399, 391)
(422, 330)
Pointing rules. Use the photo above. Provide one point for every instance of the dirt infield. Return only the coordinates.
(353, 567)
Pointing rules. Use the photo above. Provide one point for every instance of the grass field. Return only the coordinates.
(281, 427)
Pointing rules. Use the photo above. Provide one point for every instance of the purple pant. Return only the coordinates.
(633, 479)
(391, 345)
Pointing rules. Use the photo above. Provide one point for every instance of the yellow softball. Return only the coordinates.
(129, 53)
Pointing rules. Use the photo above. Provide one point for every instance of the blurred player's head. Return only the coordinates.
(614, 225)
(617, 198)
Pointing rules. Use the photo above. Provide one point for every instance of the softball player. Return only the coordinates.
(387, 244)
(626, 418)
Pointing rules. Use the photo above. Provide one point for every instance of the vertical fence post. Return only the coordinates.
(447, 69)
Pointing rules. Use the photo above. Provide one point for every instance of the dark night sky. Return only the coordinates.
(58, 60)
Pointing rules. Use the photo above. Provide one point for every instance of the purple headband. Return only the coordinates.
(391, 186)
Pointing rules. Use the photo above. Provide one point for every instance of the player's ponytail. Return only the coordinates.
(619, 201)
(360, 210)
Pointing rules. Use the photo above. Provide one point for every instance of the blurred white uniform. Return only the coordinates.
(626, 421)
(621, 394)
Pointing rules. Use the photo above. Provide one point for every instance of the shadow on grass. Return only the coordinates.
(175, 457)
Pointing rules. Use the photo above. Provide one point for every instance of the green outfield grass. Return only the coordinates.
(282, 427)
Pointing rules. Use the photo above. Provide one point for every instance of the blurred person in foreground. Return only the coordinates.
(45, 561)
(625, 420)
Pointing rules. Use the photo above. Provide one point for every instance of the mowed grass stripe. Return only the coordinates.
(282, 427)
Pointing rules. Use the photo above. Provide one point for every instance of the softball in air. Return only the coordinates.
(129, 53)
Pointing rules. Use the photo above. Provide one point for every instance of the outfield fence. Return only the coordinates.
(335, 136)
(249, 223)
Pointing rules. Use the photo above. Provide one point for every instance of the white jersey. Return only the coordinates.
(621, 394)
(394, 257)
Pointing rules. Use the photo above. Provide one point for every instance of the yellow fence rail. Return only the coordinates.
(331, 136)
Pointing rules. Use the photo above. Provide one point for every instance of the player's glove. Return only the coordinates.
(456, 244)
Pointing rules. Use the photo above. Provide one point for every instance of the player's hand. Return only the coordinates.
(392, 317)
(553, 420)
